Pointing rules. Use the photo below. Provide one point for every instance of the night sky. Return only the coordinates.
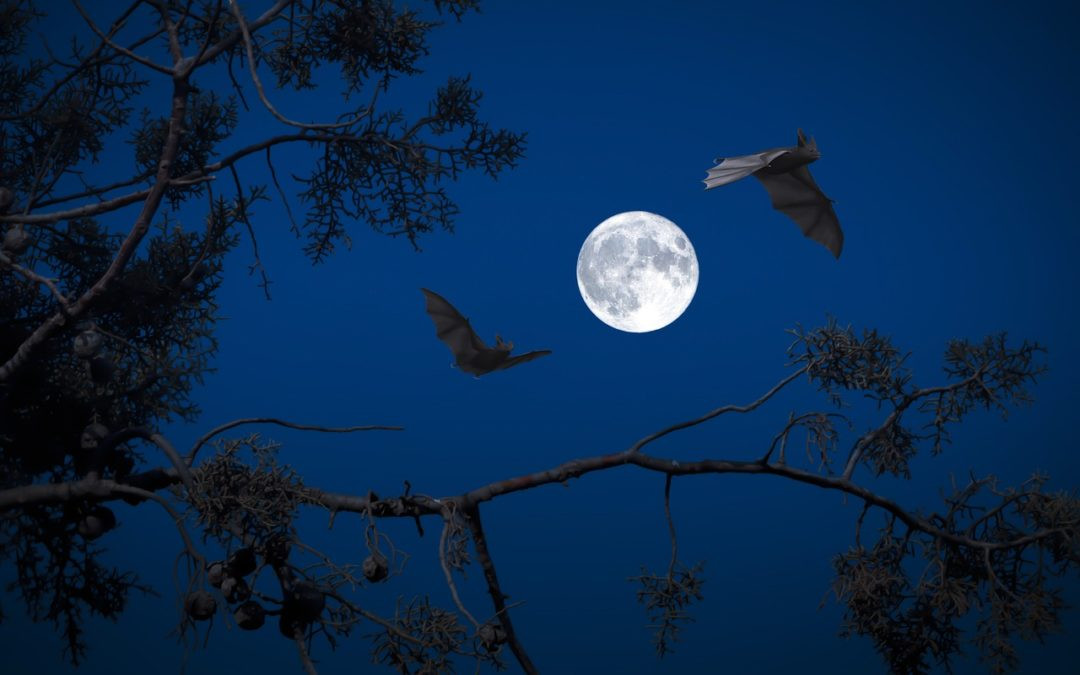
(949, 142)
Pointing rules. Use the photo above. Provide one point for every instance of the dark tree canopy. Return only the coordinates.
(105, 328)
(107, 315)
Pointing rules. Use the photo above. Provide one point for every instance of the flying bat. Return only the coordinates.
(786, 176)
(470, 353)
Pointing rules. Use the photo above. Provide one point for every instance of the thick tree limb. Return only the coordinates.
(498, 598)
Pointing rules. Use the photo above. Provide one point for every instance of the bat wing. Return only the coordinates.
(731, 169)
(797, 195)
(454, 329)
(522, 358)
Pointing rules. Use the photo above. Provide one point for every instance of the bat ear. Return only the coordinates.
(802, 139)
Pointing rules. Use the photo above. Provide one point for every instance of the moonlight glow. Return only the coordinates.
(637, 271)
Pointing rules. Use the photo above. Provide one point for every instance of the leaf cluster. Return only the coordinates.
(370, 40)
(50, 125)
(391, 178)
(420, 640)
(840, 360)
(208, 121)
(59, 576)
(909, 590)
(251, 501)
(150, 292)
(992, 374)
(157, 333)
(666, 599)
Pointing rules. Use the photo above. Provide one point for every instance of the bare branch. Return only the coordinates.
(253, 67)
(36, 278)
(107, 39)
(448, 523)
(282, 423)
(498, 598)
(178, 520)
(636, 447)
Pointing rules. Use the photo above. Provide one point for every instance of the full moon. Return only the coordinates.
(637, 271)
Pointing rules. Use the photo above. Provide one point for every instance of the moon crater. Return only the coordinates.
(637, 271)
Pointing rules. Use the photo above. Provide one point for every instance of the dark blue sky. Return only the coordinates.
(949, 139)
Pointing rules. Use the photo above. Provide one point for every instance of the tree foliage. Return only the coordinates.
(106, 326)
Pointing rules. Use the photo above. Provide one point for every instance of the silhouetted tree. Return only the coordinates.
(104, 333)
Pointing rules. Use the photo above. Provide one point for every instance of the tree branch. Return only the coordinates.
(894, 417)
(107, 39)
(636, 447)
(37, 278)
(232, 38)
(281, 423)
(127, 249)
(498, 598)
(89, 62)
(253, 68)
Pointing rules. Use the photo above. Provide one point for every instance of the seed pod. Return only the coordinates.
(7, 198)
(288, 623)
(200, 605)
(92, 436)
(242, 562)
(305, 601)
(375, 567)
(276, 549)
(101, 369)
(97, 522)
(121, 464)
(250, 615)
(192, 280)
(16, 240)
(491, 636)
(215, 573)
(235, 589)
(87, 344)
(134, 500)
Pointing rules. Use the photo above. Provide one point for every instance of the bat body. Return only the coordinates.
(786, 176)
(470, 353)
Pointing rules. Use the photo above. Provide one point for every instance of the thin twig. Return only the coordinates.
(281, 193)
(107, 39)
(448, 520)
(91, 191)
(36, 278)
(301, 647)
(282, 423)
(90, 61)
(671, 528)
(636, 447)
(241, 206)
(178, 519)
(893, 417)
(252, 66)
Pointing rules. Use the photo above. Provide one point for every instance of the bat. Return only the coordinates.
(470, 353)
(786, 176)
